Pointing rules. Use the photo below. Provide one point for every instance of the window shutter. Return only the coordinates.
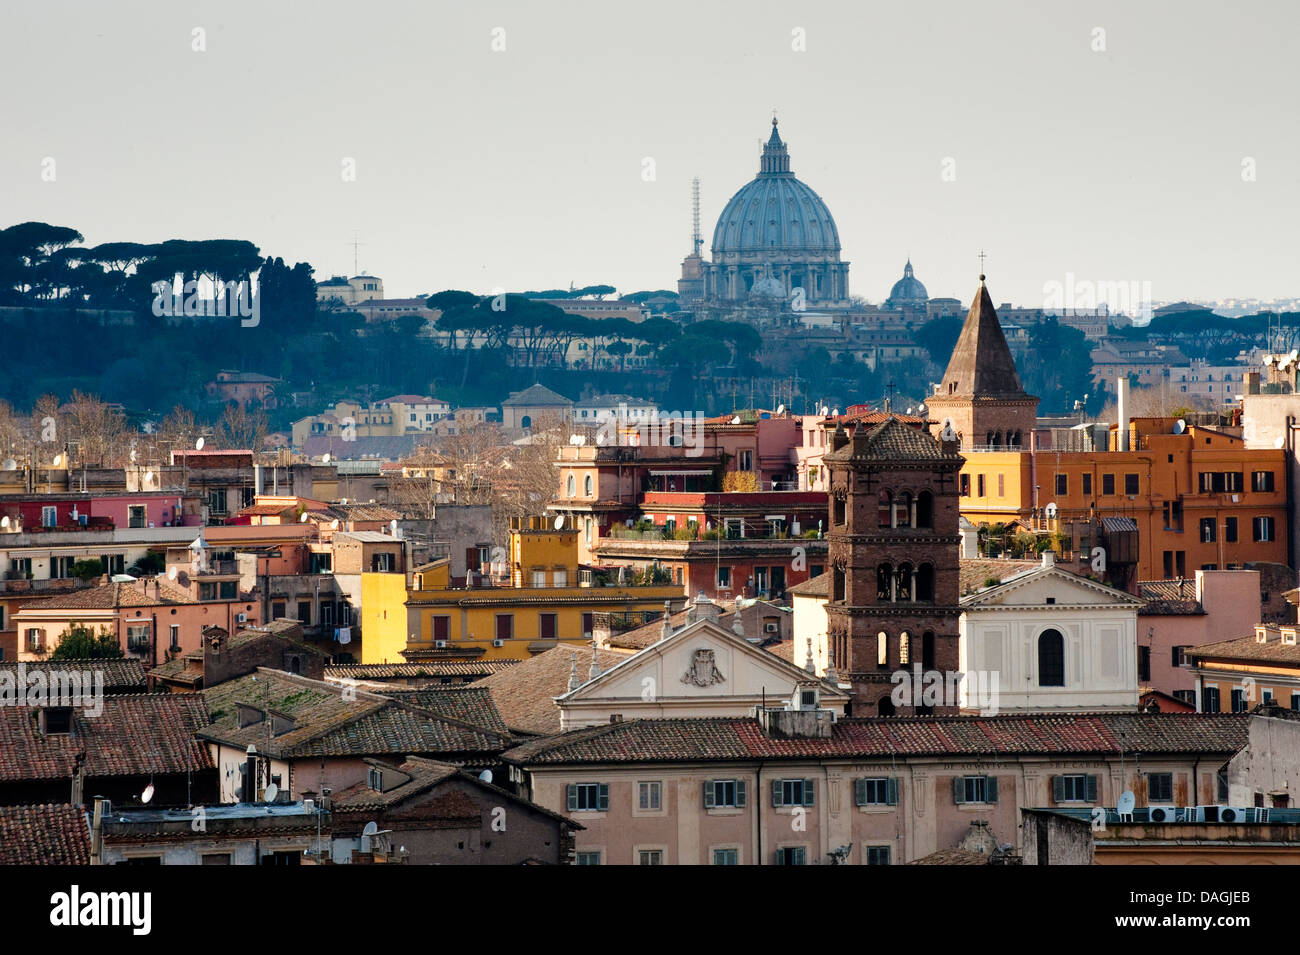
(1058, 789)
(891, 791)
(808, 792)
(572, 794)
(740, 793)
(990, 789)
(859, 792)
(602, 800)
(1092, 789)
(776, 792)
(959, 789)
(708, 794)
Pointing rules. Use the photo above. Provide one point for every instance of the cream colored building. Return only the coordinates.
(700, 670)
(1053, 640)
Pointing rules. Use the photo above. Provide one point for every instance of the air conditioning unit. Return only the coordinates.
(498, 643)
(1164, 814)
(1237, 813)
(241, 618)
(440, 644)
(772, 627)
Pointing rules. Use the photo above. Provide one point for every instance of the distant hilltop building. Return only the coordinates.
(774, 236)
(350, 291)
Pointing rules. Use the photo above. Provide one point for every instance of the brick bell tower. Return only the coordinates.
(894, 593)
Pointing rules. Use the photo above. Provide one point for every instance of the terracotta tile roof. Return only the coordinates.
(1165, 597)
(1248, 648)
(114, 596)
(363, 512)
(119, 675)
(44, 835)
(469, 704)
(972, 573)
(784, 650)
(953, 857)
(525, 694)
(431, 670)
(688, 740)
(136, 734)
(892, 440)
(426, 774)
(536, 396)
(818, 586)
(324, 723)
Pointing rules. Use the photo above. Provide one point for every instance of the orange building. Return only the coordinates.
(1186, 499)
(1163, 500)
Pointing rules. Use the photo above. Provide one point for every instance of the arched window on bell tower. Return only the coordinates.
(882, 650)
(925, 510)
(885, 583)
(904, 584)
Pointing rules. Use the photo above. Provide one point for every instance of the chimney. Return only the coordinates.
(1121, 438)
(102, 806)
(250, 776)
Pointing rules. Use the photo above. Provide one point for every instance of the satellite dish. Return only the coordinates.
(1268, 360)
(147, 796)
(1126, 802)
(1180, 426)
(171, 573)
(836, 412)
(486, 775)
(736, 420)
(780, 409)
(334, 524)
(1050, 509)
(198, 445)
(368, 833)
(1277, 443)
(920, 409)
(4, 522)
(271, 791)
(302, 518)
(392, 526)
(10, 464)
(325, 458)
(910, 409)
(825, 411)
(58, 459)
(148, 477)
(559, 522)
(133, 455)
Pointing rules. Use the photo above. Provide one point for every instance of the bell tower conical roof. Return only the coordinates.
(981, 365)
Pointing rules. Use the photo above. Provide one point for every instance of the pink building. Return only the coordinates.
(1216, 605)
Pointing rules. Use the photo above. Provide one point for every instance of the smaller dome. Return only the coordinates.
(907, 290)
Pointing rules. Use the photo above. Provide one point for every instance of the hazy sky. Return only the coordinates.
(524, 168)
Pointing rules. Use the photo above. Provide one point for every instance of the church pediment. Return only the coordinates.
(702, 660)
(1047, 587)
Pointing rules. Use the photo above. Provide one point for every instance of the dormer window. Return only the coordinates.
(249, 715)
(56, 720)
(375, 780)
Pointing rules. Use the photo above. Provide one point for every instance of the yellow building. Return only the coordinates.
(1236, 675)
(541, 599)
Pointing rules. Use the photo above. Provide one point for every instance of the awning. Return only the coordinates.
(683, 473)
